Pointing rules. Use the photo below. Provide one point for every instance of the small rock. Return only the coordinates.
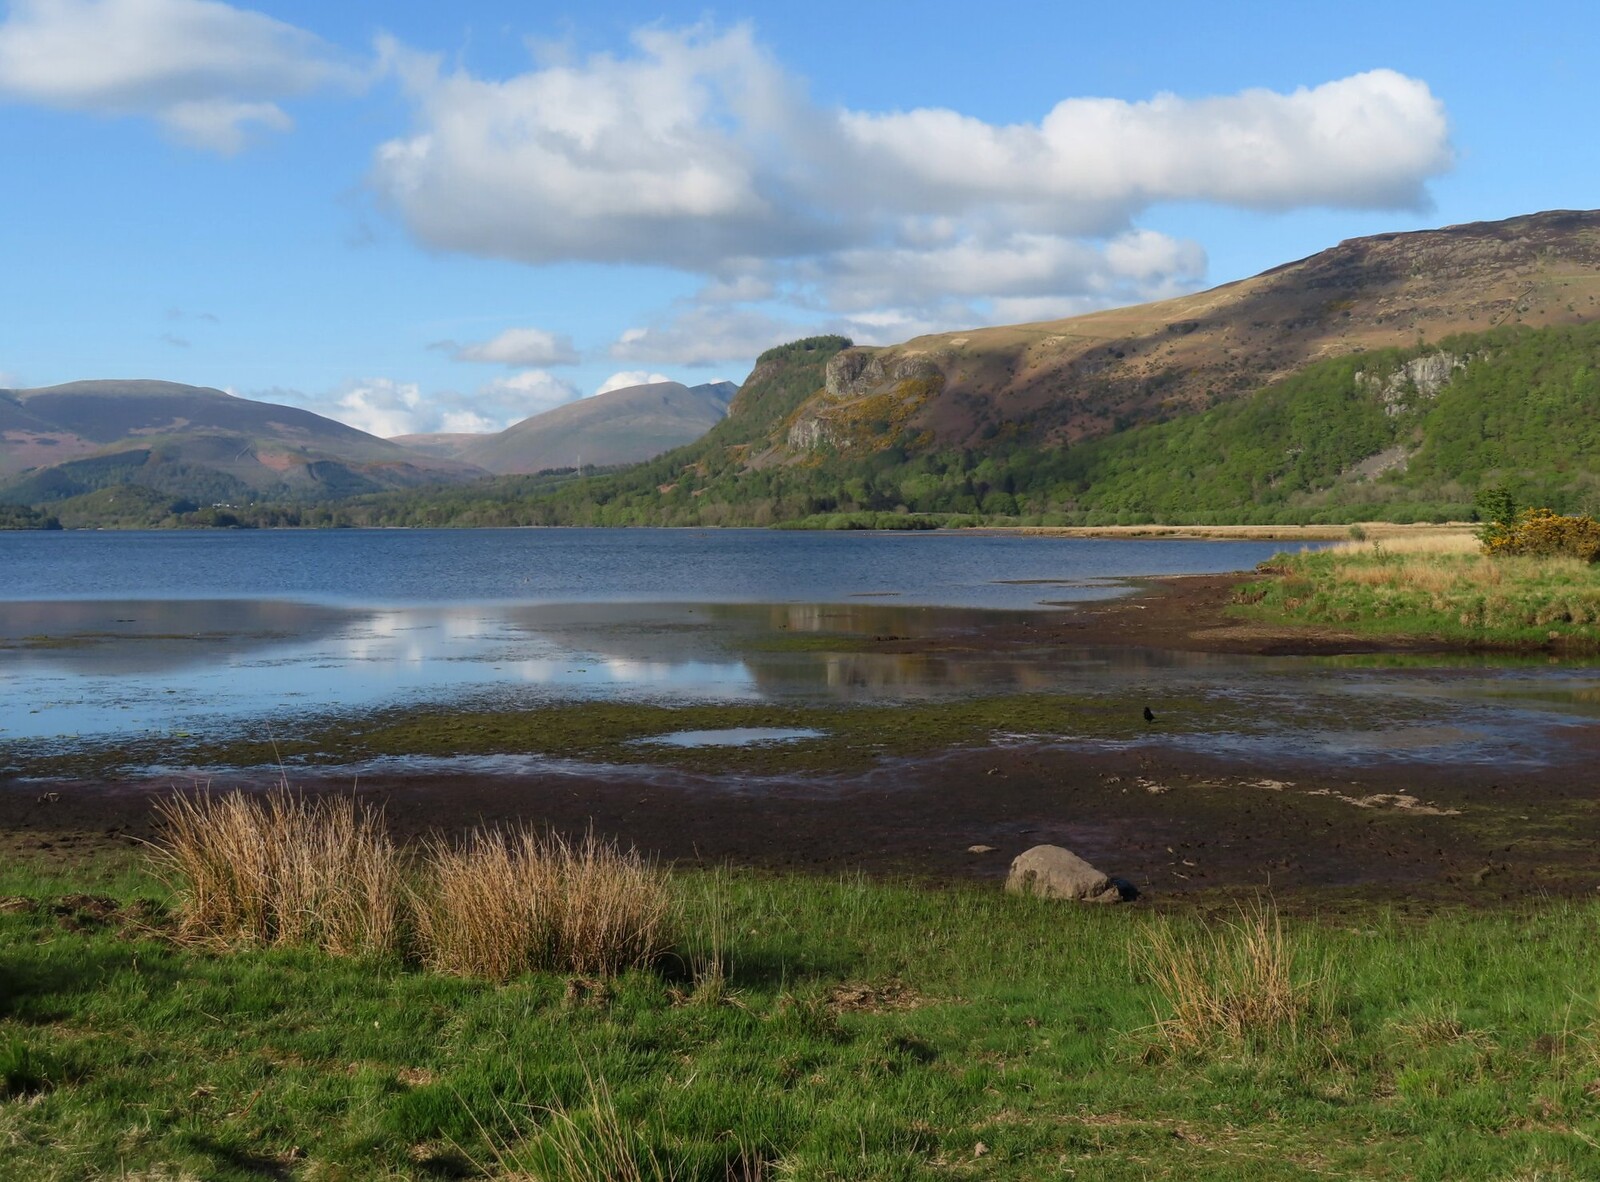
(1055, 873)
(980, 849)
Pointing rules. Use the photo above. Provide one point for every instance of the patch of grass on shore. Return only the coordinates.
(857, 1030)
(1440, 588)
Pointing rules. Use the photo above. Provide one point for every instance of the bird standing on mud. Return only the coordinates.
(1149, 715)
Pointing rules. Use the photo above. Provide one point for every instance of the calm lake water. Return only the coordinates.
(109, 635)
(381, 567)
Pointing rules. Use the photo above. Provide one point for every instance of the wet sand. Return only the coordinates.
(1181, 825)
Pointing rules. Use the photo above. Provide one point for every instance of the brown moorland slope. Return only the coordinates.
(261, 444)
(1057, 382)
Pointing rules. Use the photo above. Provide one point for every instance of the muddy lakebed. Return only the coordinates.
(824, 702)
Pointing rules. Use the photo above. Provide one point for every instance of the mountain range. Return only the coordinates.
(191, 446)
(1392, 375)
(1389, 376)
(62, 441)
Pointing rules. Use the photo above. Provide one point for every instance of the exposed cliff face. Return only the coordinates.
(1059, 382)
(866, 402)
(1418, 380)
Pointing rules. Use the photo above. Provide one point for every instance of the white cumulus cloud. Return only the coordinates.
(207, 71)
(532, 391)
(630, 377)
(697, 150)
(520, 346)
(381, 406)
(386, 407)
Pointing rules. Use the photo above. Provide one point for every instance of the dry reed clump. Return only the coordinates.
(280, 869)
(1238, 984)
(504, 902)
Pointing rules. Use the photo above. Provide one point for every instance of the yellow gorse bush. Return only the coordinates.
(1543, 533)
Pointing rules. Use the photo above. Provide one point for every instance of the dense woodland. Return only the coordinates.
(1522, 411)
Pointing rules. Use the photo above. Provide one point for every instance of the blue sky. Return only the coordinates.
(422, 217)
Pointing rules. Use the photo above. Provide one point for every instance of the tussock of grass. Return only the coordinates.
(590, 1144)
(279, 868)
(1237, 983)
(503, 903)
(282, 869)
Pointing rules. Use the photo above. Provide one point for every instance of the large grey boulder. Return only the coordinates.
(1055, 873)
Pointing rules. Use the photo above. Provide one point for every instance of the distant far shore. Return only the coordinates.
(1371, 530)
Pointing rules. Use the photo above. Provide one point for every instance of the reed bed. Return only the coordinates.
(1422, 541)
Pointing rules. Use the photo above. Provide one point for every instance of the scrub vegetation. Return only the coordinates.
(802, 1028)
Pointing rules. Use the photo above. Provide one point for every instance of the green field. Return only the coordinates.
(806, 1029)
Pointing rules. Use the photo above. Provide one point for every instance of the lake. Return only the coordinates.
(112, 635)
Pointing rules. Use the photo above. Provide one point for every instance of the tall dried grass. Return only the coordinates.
(1237, 984)
(504, 902)
(278, 868)
(281, 869)
(1422, 541)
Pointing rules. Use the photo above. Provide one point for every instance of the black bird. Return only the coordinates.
(1148, 715)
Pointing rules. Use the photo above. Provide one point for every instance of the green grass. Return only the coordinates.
(1454, 597)
(863, 1030)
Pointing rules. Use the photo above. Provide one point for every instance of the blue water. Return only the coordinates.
(105, 636)
(372, 567)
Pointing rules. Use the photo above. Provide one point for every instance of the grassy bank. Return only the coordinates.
(855, 1030)
(1432, 586)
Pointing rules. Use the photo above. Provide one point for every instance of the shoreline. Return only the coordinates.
(1182, 824)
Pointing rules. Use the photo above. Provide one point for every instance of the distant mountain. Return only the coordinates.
(617, 427)
(444, 445)
(192, 442)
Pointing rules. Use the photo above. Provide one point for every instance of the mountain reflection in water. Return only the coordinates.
(81, 668)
